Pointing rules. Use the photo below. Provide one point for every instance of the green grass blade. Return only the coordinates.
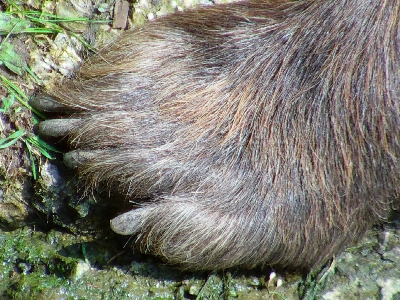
(42, 146)
(11, 139)
(32, 159)
(19, 94)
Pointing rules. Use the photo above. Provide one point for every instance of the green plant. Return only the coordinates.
(7, 102)
(17, 20)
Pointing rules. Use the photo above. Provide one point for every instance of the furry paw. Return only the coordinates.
(262, 132)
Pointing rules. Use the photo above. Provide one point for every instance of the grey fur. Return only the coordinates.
(265, 132)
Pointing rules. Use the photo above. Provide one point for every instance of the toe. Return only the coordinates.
(46, 103)
(77, 158)
(128, 223)
(57, 128)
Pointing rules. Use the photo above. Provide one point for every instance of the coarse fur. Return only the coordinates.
(264, 132)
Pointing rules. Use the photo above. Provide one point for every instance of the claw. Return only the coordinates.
(57, 128)
(45, 103)
(128, 223)
(77, 158)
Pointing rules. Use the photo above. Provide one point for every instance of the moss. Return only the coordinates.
(38, 265)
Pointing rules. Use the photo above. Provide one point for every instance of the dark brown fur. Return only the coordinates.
(265, 132)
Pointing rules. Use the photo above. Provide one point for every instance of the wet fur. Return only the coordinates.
(264, 132)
